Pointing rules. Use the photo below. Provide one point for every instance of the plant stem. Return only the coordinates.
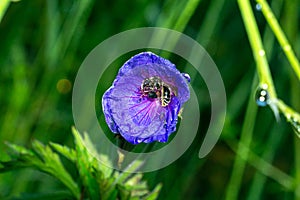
(3, 7)
(245, 141)
(291, 18)
(263, 167)
(186, 14)
(257, 47)
(271, 19)
(297, 165)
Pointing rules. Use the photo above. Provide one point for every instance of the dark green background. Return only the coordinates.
(42, 42)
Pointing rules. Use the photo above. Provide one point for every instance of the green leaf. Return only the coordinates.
(108, 188)
(57, 195)
(85, 164)
(133, 167)
(20, 158)
(96, 183)
(50, 163)
(107, 171)
(19, 150)
(12, 165)
(154, 194)
(65, 151)
(124, 193)
(43, 159)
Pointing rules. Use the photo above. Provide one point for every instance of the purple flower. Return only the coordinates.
(144, 101)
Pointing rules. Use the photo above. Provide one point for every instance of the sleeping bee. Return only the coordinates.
(154, 87)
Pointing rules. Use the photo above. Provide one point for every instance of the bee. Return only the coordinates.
(165, 96)
(154, 87)
(151, 86)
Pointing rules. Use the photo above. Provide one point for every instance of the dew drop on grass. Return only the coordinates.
(262, 52)
(296, 126)
(262, 96)
(258, 7)
(287, 48)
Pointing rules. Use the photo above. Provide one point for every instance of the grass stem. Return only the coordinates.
(257, 47)
(3, 7)
(245, 141)
(285, 45)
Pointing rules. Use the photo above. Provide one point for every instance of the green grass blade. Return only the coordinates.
(186, 15)
(259, 180)
(3, 7)
(285, 45)
(259, 53)
(234, 185)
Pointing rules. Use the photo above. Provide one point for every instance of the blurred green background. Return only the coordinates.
(43, 43)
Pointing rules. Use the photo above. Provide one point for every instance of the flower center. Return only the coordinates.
(154, 88)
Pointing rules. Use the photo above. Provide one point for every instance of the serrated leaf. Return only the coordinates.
(42, 158)
(85, 167)
(108, 188)
(107, 171)
(133, 167)
(19, 150)
(154, 194)
(51, 163)
(140, 192)
(135, 180)
(64, 151)
(20, 158)
(12, 165)
(124, 193)
(139, 186)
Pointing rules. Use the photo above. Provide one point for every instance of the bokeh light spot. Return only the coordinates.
(64, 86)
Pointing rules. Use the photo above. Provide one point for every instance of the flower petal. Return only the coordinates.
(131, 113)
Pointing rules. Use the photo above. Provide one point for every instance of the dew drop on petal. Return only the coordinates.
(139, 140)
(186, 76)
(258, 7)
(262, 97)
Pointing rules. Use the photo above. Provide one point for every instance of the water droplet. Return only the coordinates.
(262, 97)
(187, 77)
(138, 140)
(287, 48)
(296, 126)
(258, 7)
(261, 52)
(264, 86)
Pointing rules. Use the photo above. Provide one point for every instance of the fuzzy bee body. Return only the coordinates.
(154, 87)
